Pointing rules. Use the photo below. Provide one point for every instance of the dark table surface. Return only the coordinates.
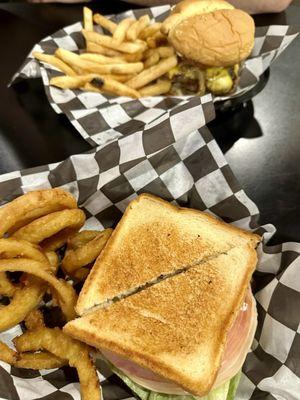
(261, 140)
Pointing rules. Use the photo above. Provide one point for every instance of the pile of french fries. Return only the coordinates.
(131, 60)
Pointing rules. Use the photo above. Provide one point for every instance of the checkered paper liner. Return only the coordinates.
(191, 172)
(103, 118)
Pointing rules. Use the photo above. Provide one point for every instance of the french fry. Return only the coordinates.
(71, 82)
(107, 41)
(152, 59)
(56, 62)
(136, 28)
(156, 89)
(150, 30)
(99, 58)
(99, 49)
(88, 87)
(93, 67)
(88, 19)
(144, 21)
(152, 73)
(71, 58)
(151, 42)
(76, 82)
(113, 64)
(120, 32)
(135, 57)
(119, 77)
(131, 33)
(165, 51)
(111, 86)
(148, 53)
(128, 68)
(105, 23)
(155, 40)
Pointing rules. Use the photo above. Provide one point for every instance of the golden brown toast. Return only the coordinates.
(155, 238)
(176, 328)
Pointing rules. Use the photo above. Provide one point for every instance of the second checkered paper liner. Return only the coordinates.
(189, 170)
(101, 118)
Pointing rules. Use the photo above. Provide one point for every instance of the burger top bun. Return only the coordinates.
(218, 38)
(190, 8)
(187, 7)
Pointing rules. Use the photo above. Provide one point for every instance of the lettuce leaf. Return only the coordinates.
(225, 392)
(220, 393)
(146, 394)
(234, 383)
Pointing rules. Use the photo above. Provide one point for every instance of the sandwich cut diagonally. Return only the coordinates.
(176, 330)
(156, 239)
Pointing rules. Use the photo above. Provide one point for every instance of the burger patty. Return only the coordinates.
(188, 79)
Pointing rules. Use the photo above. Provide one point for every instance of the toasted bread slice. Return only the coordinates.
(176, 328)
(155, 238)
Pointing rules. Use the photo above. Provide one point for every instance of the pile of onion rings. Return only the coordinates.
(39, 238)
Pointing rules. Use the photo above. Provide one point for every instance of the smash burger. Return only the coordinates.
(212, 39)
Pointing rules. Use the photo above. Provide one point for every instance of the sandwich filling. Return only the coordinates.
(189, 79)
(238, 343)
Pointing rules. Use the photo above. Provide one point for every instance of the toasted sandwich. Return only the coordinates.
(186, 335)
(168, 303)
(155, 239)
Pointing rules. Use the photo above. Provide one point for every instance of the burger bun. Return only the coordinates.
(190, 8)
(219, 38)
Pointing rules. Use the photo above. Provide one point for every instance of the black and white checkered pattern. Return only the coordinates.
(103, 118)
(193, 172)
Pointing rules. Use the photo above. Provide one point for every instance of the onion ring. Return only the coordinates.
(10, 248)
(61, 345)
(81, 274)
(23, 301)
(41, 360)
(45, 228)
(26, 298)
(58, 240)
(32, 205)
(7, 354)
(7, 288)
(83, 249)
(66, 294)
(34, 320)
(14, 248)
(81, 238)
(53, 260)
